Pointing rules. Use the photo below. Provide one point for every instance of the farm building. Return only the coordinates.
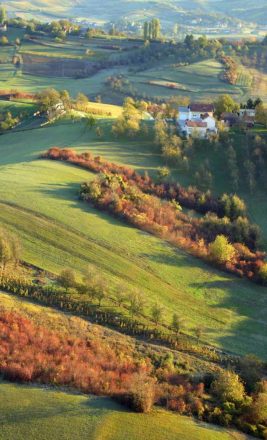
(195, 128)
(3, 27)
(251, 112)
(230, 119)
(245, 117)
(197, 119)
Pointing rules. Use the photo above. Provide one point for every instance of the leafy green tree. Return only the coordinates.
(101, 291)
(261, 114)
(203, 177)
(259, 408)
(136, 303)
(225, 103)
(120, 294)
(129, 123)
(251, 370)
(228, 387)
(146, 29)
(67, 279)
(171, 149)
(163, 173)
(82, 99)
(156, 26)
(48, 98)
(221, 250)
(157, 313)
(161, 132)
(176, 324)
(90, 122)
(65, 98)
(250, 174)
(3, 41)
(3, 15)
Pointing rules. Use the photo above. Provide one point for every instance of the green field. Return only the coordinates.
(18, 107)
(200, 81)
(31, 413)
(39, 201)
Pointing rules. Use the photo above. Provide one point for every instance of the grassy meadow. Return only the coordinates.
(39, 201)
(35, 412)
(200, 81)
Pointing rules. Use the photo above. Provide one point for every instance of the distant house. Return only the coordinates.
(198, 109)
(243, 116)
(230, 119)
(56, 110)
(197, 120)
(251, 112)
(3, 27)
(195, 128)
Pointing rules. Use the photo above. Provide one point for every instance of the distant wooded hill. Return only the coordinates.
(168, 10)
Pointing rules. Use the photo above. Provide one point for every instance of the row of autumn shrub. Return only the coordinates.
(225, 215)
(31, 353)
(54, 296)
(126, 201)
(226, 206)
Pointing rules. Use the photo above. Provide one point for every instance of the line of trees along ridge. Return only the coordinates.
(229, 241)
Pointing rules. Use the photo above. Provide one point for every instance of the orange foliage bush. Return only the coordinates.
(29, 353)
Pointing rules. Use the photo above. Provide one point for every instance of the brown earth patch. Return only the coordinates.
(53, 67)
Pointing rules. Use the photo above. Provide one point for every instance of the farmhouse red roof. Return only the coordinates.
(199, 124)
(201, 108)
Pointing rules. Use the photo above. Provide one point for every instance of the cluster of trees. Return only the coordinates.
(35, 354)
(130, 122)
(170, 144)
(261, 114)
(152, 29)
(95, 287)
(125, 200)
(191, 198)
(251, 53)
(54, 102)
(247, 167)
(8, 121)
(3, 15)
(114, 192)
(230, 74)
(57, 29)
(225, 104)
(4, 41)
(31, 353)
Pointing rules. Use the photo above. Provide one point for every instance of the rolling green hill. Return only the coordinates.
(43, 413)
(39, 201)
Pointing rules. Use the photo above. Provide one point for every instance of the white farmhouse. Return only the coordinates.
(195, 129)
(250, 112)
(197, 120)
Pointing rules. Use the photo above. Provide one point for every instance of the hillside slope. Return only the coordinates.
(57, 231)
(31, 412)
(137, 9)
